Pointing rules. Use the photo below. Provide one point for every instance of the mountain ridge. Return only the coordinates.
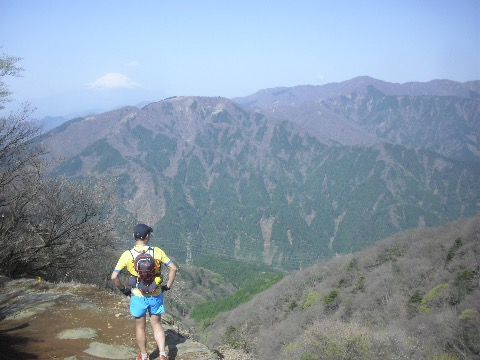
(220, 178)
(304, 93)
(436, 112)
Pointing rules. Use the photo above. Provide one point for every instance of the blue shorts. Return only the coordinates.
(139, 305)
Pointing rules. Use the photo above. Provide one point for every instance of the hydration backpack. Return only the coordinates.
(146, 266)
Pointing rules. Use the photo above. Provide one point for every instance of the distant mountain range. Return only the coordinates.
(440, 115)
(287, 176)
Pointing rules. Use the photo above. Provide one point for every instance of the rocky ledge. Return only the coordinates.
(41, 320)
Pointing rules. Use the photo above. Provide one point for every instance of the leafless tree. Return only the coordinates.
(48, 226)
(7, 68)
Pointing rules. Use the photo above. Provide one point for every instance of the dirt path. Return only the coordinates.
(40, 320)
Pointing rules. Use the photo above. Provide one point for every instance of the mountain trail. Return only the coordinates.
(42, 320)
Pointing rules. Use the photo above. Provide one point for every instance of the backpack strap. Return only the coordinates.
(138, 252)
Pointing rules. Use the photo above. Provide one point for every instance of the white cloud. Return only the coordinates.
(112, 81)
(132, 64)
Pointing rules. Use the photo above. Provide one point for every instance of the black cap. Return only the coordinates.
(140, 231)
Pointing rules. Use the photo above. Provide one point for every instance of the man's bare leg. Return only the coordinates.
(140, 324)
(158, 332)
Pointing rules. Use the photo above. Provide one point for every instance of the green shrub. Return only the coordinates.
(416, 297)
(352, 265)
(309, 357)
(469, 314)
(464, 284)
(312, 297)
(465, 279)
(330, 297)
(434, 295)
(413, 303)
(343, 282)
(451, 253)
(291, 306)
(331, 300)
(360, 284)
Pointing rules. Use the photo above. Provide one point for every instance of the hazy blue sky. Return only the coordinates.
(81, 54)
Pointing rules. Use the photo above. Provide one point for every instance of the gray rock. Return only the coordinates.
(106, 351)
(79, 333)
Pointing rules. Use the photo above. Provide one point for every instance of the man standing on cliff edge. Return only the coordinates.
(145, 295)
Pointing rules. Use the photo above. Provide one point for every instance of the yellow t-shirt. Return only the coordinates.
(127, 261)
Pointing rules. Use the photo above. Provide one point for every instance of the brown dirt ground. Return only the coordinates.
(33, 313)
(35, 336)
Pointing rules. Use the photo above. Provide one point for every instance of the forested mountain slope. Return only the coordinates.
(215, 178)
(411, 296)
